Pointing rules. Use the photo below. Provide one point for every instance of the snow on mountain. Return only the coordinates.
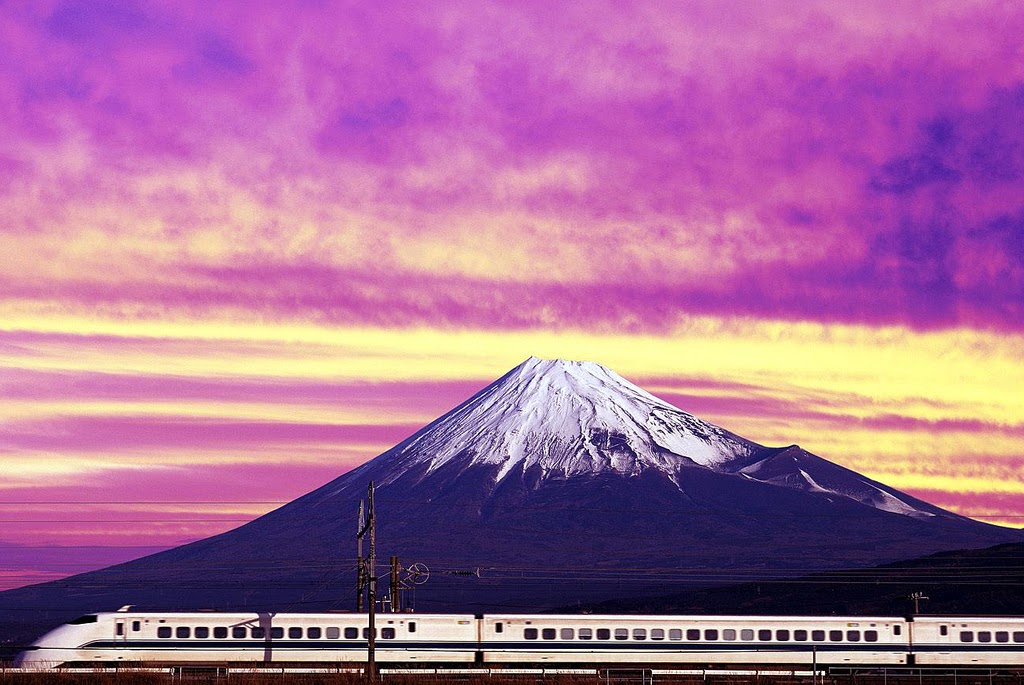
(571, 419)
(796, 468)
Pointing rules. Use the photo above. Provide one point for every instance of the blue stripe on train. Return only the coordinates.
(274, 644)
(539, 646)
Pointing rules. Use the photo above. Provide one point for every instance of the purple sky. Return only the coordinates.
(260, 242)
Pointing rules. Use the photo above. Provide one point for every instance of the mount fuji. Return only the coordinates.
(557, 420)
(561, 482)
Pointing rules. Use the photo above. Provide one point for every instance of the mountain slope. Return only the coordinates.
(562, 420)
(563, 483)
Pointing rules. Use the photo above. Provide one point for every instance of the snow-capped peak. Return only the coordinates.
(562, 419)
(570, 418)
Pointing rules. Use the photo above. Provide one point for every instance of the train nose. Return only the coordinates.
(29, 660)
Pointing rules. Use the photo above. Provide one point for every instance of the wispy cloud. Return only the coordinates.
(705, 158)
(252, 236)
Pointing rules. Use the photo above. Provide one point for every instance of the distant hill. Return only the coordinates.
(967, 582)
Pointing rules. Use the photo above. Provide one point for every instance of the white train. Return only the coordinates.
(151, 639)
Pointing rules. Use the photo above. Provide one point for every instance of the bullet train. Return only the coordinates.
(161, 640)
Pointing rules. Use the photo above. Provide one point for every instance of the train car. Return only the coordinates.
(697, 640)
(159, 639)
(964, 641)
(153, 639)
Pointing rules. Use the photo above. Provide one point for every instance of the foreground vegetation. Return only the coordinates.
(612, 677)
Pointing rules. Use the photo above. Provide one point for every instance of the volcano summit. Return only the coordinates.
(565, 421)
(561, 482)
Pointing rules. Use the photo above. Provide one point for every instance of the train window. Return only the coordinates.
(622, 633)
(639, 633)
(412, 626)
(119, 628)
(333, 633)
(351, 633)
(657, 633)
(295, 633)
(800, 635)
(835, 636)
(387, 633)
(1002, 636)
(764, 635)
(202, 632)
(943, 630)
(729, 634)
(136, 626)
(586, 634)
(692, 634)
(818, 635)
(163, 631)
(870, 636)
(710, 634)
(548, 633)
(366, 633)
(530, 633)
(984, 636)
(966, 636)
(604, 634)
(259, 633)
(238, 632)
(88, 618)
(853, 635)
(747, 634)
(1018, 636)
(220, 632)
(675, 634)
(183, 631)
(499, 627)
(896, 630)
(313, 633)
(276, 633)
(782, 635)
(567, 633)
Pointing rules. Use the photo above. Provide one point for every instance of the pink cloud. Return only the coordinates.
(612, 166)
(425, 396)
(863, 182)
(126, 433)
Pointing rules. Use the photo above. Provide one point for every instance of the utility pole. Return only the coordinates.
(396, 586)
(917, 597)
(371, 599)
(367, 576)
(360, 564)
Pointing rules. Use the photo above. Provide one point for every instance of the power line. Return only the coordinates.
(450, 505)
(191, 501)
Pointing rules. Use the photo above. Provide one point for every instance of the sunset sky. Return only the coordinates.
(249, 245)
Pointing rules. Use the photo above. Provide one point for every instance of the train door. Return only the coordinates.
(120, 633)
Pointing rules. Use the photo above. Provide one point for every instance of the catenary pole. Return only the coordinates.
(371, 643)
(360, 565)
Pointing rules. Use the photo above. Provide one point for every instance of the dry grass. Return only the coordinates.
(129, 677)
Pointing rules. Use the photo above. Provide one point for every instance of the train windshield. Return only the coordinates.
(88, 618)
